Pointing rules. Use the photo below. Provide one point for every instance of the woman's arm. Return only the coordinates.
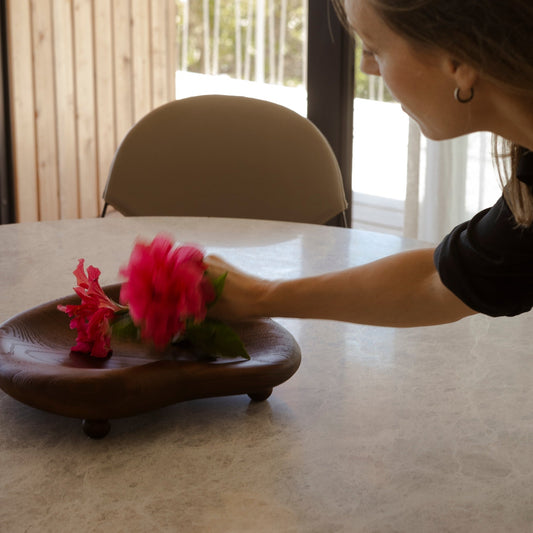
(400, 290)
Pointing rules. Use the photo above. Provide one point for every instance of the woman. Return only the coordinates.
(456, 66)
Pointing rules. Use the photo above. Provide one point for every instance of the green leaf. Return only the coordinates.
(215, 338)
(124, 328)
(218, 285)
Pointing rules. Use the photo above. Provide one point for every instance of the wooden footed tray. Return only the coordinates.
(38, 369)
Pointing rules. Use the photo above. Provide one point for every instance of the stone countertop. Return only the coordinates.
(380, 430)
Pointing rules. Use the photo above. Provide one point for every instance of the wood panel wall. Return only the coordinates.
(82, 72)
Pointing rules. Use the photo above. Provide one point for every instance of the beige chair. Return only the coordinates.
(226, 156)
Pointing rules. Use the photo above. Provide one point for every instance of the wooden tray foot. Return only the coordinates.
(96, 429)
(260, 396)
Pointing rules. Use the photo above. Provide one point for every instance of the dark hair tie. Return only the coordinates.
(524, 169)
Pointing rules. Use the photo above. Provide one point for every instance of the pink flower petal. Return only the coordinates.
(165, 286)
(92, 317)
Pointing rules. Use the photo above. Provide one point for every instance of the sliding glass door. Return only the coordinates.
(256, 48)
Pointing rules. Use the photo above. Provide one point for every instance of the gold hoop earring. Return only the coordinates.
(457, 96)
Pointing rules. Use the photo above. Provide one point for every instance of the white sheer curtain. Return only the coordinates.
(447, 183)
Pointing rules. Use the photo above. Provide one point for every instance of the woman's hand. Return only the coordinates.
(242, 294)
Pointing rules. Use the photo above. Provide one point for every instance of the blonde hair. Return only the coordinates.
(494, 36)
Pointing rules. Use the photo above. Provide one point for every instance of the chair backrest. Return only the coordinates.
(226, 156)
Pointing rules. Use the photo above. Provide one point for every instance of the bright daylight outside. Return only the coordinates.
(257, 48)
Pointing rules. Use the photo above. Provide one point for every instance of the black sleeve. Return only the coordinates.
(488, 263)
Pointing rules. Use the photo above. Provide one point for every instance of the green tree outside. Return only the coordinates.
(232, 51)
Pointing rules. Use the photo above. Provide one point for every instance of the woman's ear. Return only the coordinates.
(464, 75)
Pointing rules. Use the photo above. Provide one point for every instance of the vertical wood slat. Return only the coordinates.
(158, 18)
(81, 73)
(45, 115)
(105, 110)
(172, 59)
(123, 67)
(22, 111)
(85, 105)
(141, 52)
(66, 109)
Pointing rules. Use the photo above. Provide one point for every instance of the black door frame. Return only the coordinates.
(7, 202)
(331, 86)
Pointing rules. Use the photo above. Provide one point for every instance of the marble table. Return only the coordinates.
(380, 430)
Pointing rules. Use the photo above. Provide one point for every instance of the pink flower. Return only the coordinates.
(92, 317)
(165, 287)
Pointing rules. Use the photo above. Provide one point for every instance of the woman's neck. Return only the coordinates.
(513, 118)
